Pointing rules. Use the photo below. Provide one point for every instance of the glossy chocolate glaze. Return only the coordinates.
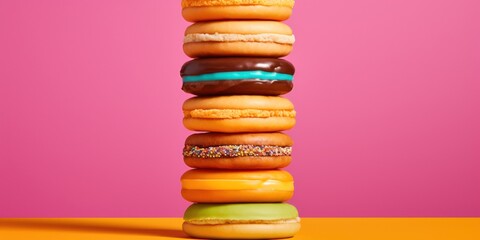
(213, 65)
(238, 87)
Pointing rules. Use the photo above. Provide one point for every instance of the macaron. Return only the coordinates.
(227, 186)
(237, 76)
(238, 113)
(241, 221)
(201, 10)
(238, 151)
(238, 38)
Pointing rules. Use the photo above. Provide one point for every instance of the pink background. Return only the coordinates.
(387, 93)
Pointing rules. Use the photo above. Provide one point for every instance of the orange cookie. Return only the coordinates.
(238, 151)
(238, 113)
(238, 38)
(202, 10)
(215, 186)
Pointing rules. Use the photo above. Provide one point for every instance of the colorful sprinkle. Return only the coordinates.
(235, 151)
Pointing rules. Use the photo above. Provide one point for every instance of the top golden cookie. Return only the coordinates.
(208, 10)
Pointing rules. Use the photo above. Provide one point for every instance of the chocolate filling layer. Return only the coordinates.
(238, 87)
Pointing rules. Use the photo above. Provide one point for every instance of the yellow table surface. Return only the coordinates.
(312, 228)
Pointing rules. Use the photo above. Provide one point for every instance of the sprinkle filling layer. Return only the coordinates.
(230, 151)
(237, 113)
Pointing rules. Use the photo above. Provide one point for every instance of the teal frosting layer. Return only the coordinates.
(241, 211)
(262, 75)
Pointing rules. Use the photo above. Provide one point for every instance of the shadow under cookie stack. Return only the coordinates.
(237, 188)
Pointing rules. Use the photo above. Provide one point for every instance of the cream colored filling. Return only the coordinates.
(232, 221)
(235, 184)
(231, 37)
(237, 113)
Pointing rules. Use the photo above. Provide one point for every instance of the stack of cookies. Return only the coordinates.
(236, 185)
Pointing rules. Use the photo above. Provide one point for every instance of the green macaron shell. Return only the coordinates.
(240, 211)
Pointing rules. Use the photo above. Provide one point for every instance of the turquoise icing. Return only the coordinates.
(262, 75)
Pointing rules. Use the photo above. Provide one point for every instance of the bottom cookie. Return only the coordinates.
(241, 221)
